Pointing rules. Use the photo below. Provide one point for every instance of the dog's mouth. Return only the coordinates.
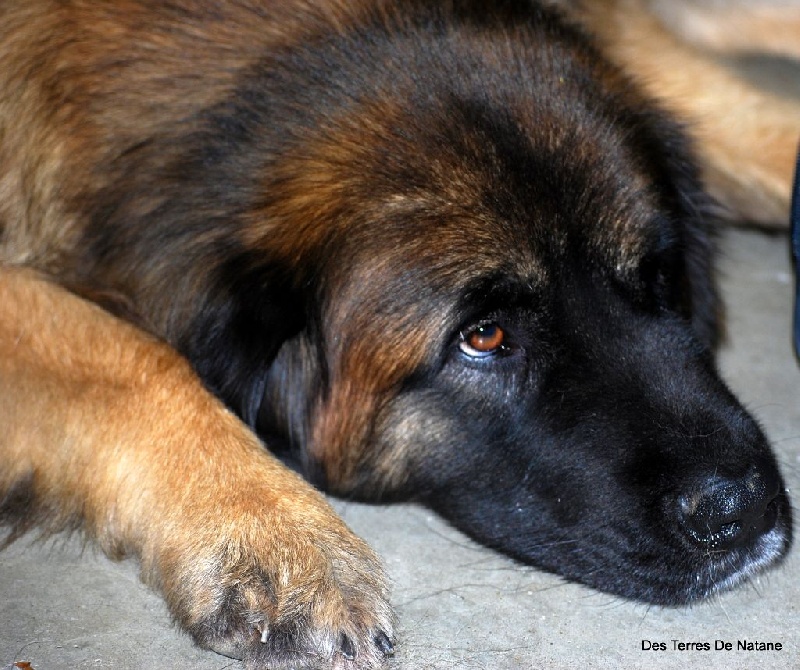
(704, 549)
(730, 569)
(732, 528)
(724, 556)
(654, 567)
(669, 544)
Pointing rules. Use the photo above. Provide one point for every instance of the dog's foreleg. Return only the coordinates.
(107, 429)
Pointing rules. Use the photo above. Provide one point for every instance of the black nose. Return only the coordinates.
(721, 513)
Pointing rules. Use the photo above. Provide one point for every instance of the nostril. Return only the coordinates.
(725, 512)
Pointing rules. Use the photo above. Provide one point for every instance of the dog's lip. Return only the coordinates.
(729, 532)
(724, 570)
(711, 573)
(668, 570)
(771, 548)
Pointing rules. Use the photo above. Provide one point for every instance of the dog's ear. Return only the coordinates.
(252, 309)
(705, 306)
(669, 157)
(696, 212)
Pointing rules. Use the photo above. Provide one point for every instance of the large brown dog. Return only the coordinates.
(434, 251)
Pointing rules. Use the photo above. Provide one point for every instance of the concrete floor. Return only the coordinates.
(461, 606)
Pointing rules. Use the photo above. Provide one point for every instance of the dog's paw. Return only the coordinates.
(256, 565)
(252, 561)
(319, 600)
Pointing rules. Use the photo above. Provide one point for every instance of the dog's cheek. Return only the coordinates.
(348, 452)
(377, 449)
(427, 445)
(415, 446)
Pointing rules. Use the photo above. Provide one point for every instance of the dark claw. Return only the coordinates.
(384, 644)
(346, 648)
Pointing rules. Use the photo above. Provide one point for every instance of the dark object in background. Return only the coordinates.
(796, 253)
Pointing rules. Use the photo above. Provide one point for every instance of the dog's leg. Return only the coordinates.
(734, 26)
(108, 429)
(746, 135)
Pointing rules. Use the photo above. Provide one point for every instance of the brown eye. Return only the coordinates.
(482, 341)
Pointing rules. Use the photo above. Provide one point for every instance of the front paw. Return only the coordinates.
(284, 586)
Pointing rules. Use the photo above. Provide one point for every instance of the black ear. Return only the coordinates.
(249, 312)
(689, 203)
(670, 158)
(664, 150)
(705, 307)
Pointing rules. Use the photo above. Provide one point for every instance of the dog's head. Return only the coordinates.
(480, 278)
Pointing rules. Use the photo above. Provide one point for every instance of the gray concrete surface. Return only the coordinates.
(461, 606)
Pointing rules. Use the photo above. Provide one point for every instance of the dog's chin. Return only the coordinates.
(693, 575)
(737, 567)
(652, 565)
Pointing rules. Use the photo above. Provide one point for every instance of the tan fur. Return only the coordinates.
(108, 429)
(747, 135)
(84, 47)
(733, 26)
(174, 479)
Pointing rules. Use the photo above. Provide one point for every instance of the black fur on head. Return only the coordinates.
(328, 242)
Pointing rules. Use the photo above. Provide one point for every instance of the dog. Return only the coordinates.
(709, 62)
(449, 252)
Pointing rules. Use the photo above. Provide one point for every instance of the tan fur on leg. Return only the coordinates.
(763, 26)
(112, 429)
(746, 135)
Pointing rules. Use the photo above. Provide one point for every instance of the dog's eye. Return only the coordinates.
(484, 340)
